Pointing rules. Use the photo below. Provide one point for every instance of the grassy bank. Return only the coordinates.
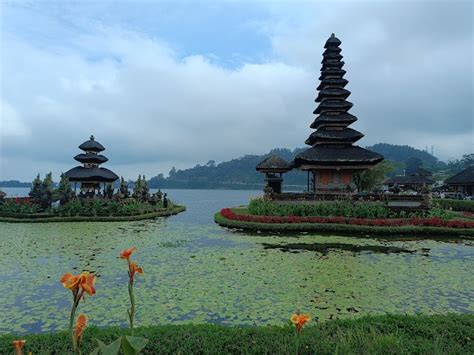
(344, 228)
(42, 218)
(390, 334)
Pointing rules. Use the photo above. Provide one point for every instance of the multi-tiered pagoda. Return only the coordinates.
(333, 158)
(90, 175)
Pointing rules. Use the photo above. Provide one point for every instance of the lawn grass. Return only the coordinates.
(388, 334)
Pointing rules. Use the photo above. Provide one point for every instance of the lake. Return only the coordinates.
(196, 271)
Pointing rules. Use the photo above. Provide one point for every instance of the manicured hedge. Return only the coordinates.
(388, 334)
(344, 228)
(376, 222)
(40, 218)
(455, 205)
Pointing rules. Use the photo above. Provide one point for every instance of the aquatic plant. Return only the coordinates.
(130, 345)
(79, 286)
(133, 268)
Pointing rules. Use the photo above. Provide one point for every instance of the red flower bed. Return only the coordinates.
(426, 222)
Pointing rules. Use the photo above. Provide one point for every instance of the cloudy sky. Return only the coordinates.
(177, 83)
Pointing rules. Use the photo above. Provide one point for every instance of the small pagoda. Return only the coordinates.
(90, 175)
(274, 167)
(333, 158)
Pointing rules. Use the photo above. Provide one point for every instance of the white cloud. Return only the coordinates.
(149, 108)
(153, 109)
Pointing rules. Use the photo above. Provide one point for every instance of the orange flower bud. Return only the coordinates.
(80, 326)
(134, 268)
(18, 345)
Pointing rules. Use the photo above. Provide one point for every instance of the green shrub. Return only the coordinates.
(455, 205)
(261, 207)
(387, 334)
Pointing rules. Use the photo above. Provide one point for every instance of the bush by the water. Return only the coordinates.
(455, 205)
(388, 334)
(80, 207)
(261, 207)
(98, 207)
(16, 207)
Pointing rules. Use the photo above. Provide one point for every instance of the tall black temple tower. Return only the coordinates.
(332, 158)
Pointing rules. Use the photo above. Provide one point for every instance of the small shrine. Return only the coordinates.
(273, 167)
(91, 175)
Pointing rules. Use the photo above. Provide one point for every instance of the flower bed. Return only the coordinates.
(428, 222)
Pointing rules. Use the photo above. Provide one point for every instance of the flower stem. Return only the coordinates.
(131, 312)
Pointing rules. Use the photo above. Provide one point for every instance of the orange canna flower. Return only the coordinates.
(87, 282)
(80, 326)
(70, 281)
(125, 254)
(299, 320)
(134, 268)
(18, 345)
(84, 282)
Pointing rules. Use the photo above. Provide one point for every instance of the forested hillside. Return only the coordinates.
(240, 173)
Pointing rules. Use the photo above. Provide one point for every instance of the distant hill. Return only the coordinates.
(14, 183)
(240, 173)
(237, 173)
(399, 154)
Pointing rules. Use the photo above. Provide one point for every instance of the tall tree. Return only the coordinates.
(36, 192)
(124, 188)
(47, 191)
(64, 190)
(145, 193)
(137, 189)
(369, 179)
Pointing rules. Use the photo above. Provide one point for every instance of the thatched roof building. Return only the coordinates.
(90, 174)
(333, 157)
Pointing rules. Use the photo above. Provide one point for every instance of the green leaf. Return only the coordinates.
(133, 345)
(111, 349)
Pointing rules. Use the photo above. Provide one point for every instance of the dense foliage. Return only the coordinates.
(105, 208)
(455, 205)
(389, 334)
(262, 207)
(367, 180)
(241, 173)
(380, 222)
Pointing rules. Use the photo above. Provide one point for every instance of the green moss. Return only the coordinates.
(389, 334)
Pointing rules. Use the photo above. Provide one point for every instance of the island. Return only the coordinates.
(336, 169)
(97, 199)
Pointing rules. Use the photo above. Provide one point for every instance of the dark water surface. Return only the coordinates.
(197, 272)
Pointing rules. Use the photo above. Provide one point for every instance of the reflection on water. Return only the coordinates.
(197, 272)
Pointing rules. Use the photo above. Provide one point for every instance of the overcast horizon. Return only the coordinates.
(164, 84)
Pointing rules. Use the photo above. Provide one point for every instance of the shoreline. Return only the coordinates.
(48, 219)
(352, 229)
